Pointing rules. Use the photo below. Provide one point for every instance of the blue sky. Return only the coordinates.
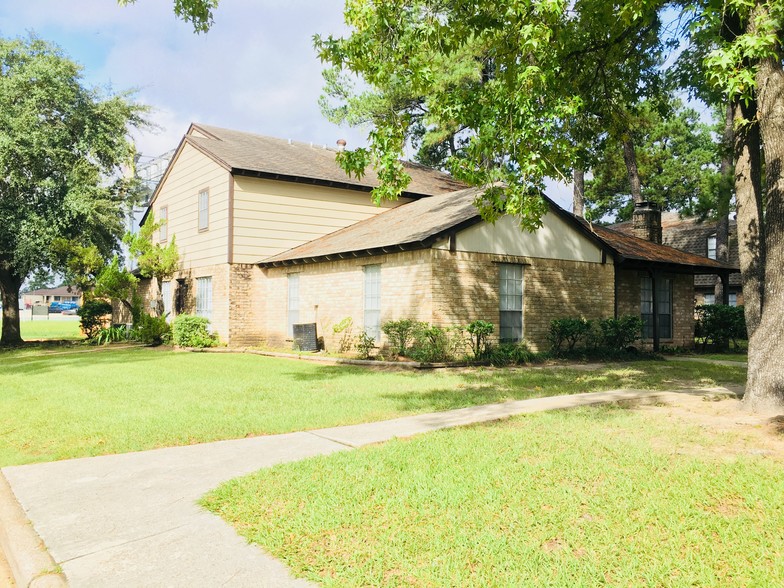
(255, 70)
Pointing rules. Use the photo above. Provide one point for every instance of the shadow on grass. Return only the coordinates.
(92, 356)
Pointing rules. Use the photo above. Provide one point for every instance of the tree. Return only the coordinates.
(41, 278)
(197, 12)
(529, 119)
(678, 162)
(155, 261)
(61, 161)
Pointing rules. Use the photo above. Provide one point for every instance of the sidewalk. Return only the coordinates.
(132, 519)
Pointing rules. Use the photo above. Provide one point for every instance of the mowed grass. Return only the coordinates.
(100, 401)
(43, 329)
(587, 497)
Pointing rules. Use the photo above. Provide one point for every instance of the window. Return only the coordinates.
(373, 301)
(163, 232)
(166, 295)
(204, 297)
(293, 304)
(712, 247)
(664, 300)
(733, 299)
(709, 299)
(511, 302)
(204, 210)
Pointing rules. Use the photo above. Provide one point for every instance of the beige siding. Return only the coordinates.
(190, 173)
(555, 239)
(271, 217)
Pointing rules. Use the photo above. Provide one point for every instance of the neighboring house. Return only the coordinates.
(272, 233)
(45, 296)
(691, 235)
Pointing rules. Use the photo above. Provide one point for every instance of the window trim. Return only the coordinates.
(501, 311)
(206, 227)
(292, 281)
(708, 247)
(671, 296)
(368, 271)
(200, 311)
(163, 230)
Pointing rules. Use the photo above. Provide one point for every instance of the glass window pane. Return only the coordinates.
(372, 297)
(510, 302)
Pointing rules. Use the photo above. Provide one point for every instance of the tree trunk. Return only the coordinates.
(723, 198)
(578, 203)
(765, 385)
(10, 284)
(630, 158)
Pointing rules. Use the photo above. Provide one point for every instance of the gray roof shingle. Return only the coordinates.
(270, 157)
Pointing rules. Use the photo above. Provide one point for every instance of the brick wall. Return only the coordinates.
(466, 288)
(629, 283)
(332, 291)
(246, 305)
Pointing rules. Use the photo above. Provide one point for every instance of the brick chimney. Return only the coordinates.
(646, 221)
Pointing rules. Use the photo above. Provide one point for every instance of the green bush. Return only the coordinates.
(93, 315)
(192, 331)
(112, 334)
(399, 334)
(718, 324)
(479, 334)
(365, 345)
(151, 330)
(431, 344)
(512, 354)
(344, 328)
(569, 331)
(619, 333)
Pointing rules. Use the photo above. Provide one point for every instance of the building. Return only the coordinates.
(45, 296)
(272, 233)
(690, 235)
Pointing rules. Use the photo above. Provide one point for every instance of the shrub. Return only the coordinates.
(569, 331)
(111, 334)
(151, 330)
(479, 333)
(192, 331)
(399, 334)
(365, 345)
(619, 333)
(719, 324)
(512, 354)
(431, 344)
(93, 315)
(345, 327)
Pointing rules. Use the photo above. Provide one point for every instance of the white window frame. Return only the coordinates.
(204, 297)
(510, 302)
(292, 303)
(712, 247)
(372, 301)
(163, 218)
(204, 210)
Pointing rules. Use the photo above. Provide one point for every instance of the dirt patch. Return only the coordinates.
(753, 433)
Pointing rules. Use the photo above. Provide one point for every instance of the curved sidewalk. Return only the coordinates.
(132, 519)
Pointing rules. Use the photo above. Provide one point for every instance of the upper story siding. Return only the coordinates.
(271, 217)
(190, 173)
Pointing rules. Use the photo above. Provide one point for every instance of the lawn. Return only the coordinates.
(586, 497)
(57, 328)
(92, 402)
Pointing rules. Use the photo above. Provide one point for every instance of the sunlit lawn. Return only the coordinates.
(91, 402)
(55, 328)
(587, 497)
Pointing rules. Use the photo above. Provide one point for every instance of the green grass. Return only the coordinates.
(42, 329)
(588, 497)
(99, 401)
(725, 356)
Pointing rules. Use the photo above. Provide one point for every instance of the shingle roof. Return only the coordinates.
(406, 226)
(690, 235)
(59, 291)
(419, 223)
(270, 157)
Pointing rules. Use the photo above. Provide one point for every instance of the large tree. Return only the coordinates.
(62, 148)
(524, 110)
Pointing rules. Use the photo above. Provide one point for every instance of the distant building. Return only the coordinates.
(45, 296)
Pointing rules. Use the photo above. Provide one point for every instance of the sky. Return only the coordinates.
(255, 70)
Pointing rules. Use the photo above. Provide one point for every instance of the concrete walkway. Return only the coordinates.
(132, 519)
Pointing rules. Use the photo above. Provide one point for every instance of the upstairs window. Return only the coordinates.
(204, 210)
(712, 247)
(163, 218)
